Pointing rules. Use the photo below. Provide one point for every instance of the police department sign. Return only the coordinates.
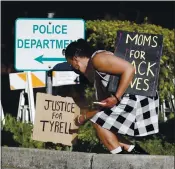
(39, 42)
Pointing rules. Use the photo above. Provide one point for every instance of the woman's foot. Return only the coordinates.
(138, 150)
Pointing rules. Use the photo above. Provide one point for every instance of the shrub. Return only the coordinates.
(157, 146)
(89, 95)
(21, 135)
(21, 132)
(87, 139)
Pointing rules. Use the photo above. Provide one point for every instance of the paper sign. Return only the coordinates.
(54, 119)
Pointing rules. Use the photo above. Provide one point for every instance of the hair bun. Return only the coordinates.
(81, 41)
(79, 48)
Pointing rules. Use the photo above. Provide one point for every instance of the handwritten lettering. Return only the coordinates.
(57, 115)
(138, 84)
(56, 126)
(149, 68)
(146, 66)
(137, 54)
(59, 106)
(145, 82)
(143, 62)
(142, 40)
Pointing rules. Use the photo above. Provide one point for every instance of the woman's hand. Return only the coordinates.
(79, 120)
(86, 115)
(110, 102)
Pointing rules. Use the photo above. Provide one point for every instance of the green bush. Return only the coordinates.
(21, 135)
(87, 141)
(102, 35)
(21, 132)
(157, 146)
(18, 134)
(89, 95)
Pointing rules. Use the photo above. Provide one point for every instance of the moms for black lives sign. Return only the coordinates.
(143, 51)
(54, 119)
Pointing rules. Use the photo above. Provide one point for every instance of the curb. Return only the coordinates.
(27, 158)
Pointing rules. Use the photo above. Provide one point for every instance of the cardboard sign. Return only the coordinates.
(143, 51)
(54, 119)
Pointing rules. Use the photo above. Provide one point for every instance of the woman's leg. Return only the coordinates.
(109, 139)
(126, 144)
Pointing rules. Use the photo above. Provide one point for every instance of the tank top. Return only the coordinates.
(98, 79)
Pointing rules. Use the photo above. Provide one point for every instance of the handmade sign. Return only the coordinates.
(143, 51)
(54, 119)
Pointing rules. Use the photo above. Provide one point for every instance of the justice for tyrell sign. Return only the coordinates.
(39, 41)
(54, 120)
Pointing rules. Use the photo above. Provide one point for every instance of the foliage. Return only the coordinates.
(171, 116)
(21, 132)
(102, 35)
(87, 134)
(89, 95)
(22, 135)
(87, 139)
(157, 146)
(163, 142)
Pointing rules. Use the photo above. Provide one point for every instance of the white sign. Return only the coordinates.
(61, 78)
(39, 41)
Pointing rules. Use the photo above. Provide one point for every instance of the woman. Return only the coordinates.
(118, 113)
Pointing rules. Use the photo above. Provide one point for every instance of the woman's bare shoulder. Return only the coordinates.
(101, 55)
(101, 58)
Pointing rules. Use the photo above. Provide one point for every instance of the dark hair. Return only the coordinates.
(79, 48)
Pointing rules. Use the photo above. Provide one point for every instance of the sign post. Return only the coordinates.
(30, 97)
(2, 115)
(49, 82)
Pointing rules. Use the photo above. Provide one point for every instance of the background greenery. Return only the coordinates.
(101, 34)
(17, 134)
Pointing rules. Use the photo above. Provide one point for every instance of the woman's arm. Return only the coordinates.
(108, 63)
(84, 117)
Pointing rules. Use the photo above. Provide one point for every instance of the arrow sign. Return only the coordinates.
(39, 47)
(40, 59)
